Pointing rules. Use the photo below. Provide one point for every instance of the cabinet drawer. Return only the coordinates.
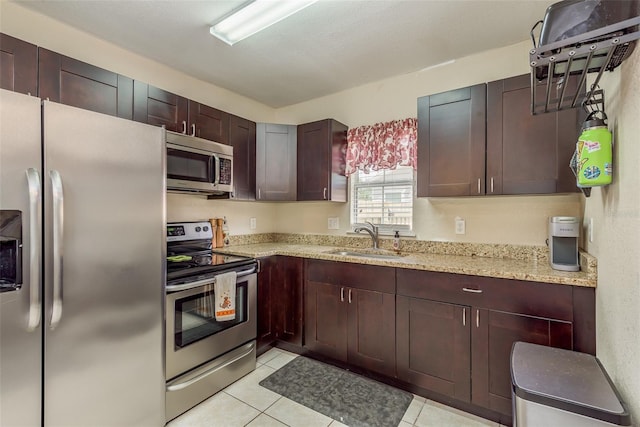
(361, 276)
(529, 298)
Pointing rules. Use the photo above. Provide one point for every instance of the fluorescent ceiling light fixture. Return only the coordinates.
(256, 16)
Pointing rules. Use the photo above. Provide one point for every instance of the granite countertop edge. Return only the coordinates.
(504, 268)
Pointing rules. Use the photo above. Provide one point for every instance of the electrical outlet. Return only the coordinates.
(252, 223)
(590, 230)
(333, 223)
(460, 226)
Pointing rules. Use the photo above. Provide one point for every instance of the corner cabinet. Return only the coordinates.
(473, 322)
(350, 313)
(520, 154)
(321, 161)
(528, 154)
(71, 82)
(280, 300)
(18, 65)
(276, 159)
(242, 137)
(451, 143)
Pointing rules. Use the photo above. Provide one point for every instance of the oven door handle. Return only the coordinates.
(182, 385)
(210, 281)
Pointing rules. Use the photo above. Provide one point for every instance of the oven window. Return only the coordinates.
(195, 318)
(189, 166)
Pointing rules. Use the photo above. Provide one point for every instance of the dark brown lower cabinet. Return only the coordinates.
(350, 314)
(434, 346)
(455, 332)
(280, 300)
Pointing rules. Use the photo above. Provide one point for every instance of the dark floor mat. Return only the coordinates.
(344, 396)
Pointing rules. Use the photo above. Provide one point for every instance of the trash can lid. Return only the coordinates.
(567, 380)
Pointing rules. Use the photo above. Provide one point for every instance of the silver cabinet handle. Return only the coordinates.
(478, 185)
(180, 386)
(324, 193)
(349, 296)
(35, 213)
(477, 318)
(58, 234)
(464, 317)
(184, 127)
(492, 184)
(259, 194)
(341, 294)
(193, 129)
(474, 291)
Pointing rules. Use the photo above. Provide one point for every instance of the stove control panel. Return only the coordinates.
(178, 231)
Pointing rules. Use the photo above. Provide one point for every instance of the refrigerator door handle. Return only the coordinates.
(35, 209)
(58, 233)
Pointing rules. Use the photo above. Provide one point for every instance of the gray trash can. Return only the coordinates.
(554, 387)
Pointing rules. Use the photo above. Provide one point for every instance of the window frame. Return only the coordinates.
(383, 229)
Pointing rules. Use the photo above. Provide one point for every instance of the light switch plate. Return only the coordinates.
(252, 223)
(460, 226)
(333, 223)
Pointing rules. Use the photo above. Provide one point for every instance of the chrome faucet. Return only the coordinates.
(373, 232)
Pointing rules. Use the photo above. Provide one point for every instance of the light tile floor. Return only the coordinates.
(246, 403)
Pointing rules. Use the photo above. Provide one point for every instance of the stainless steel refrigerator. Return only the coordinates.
(81, 331)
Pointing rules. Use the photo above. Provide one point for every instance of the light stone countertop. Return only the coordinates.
(506, 268)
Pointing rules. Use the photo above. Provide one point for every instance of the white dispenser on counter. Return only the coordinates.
(564, 232)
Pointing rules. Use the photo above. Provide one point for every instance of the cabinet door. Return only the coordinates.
(371, 330)
(451, 143)
(242, 137)
(18, 65)
(68, 81)
(493, 335)
(325, 327)
(208, 122)
(289, 300)
(267, 279)
(276, 147)
(321, 161)
(434, 346)
(158, 107)
(528, 154)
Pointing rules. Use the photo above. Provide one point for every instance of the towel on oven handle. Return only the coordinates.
(225, 291)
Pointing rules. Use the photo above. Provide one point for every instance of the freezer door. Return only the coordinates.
(20, 328)
(104, 180)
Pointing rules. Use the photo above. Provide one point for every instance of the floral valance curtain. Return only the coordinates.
(382, 146)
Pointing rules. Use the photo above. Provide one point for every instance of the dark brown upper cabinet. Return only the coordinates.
(18, 65)
(528, 154)
(321, 161)
(68, 81)
(158, 107)
(451, 143)
(208, 123)
(242, 137)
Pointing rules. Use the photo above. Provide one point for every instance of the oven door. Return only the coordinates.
(195, 337)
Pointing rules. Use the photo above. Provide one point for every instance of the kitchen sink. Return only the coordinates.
(364, 253)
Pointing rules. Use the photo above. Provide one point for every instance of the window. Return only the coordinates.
(383, 197)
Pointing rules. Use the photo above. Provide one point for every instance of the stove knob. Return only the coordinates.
(205, 228)
(197, 229)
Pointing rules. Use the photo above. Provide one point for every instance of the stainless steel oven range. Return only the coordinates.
(204, 355)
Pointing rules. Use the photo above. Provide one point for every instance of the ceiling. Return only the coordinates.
(328, 47)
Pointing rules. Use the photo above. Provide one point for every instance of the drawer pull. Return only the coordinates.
(473, 291)
(341, 294)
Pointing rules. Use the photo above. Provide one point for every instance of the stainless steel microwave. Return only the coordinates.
(196, 165)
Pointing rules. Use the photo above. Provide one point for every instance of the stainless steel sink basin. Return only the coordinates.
(377, 254)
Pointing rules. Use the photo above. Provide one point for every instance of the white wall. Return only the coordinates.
(615, 210)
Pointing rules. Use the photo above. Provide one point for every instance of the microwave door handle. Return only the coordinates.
(216, 168)
(58, 233)
(35, 210)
